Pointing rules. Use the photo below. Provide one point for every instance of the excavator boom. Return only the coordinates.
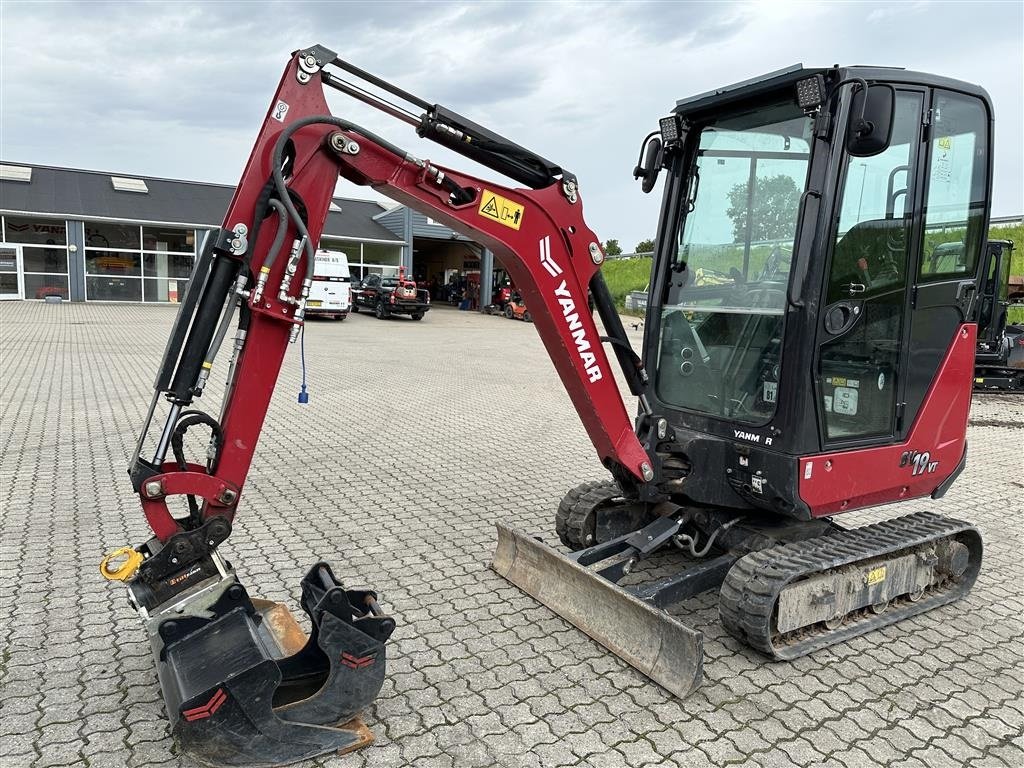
(257, 267)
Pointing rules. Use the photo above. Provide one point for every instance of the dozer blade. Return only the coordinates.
(657, 644)
(244, 686)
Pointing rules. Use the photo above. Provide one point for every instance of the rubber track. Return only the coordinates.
(752, 587)
(574, 519)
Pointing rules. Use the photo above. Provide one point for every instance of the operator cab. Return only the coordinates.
(818, 254)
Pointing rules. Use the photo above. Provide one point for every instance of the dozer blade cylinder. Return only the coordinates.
(661, 647)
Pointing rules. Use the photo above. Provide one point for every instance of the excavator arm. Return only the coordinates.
(242, 683)
(261, 256)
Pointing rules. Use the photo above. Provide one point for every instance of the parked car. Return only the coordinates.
(388, 296)
(330, 294)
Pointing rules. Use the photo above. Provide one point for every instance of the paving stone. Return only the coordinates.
(479, 674)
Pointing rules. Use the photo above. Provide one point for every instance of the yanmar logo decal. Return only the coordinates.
(545, 257)
(570, 313)
(358, 662)
(208, 709)
(752, 437)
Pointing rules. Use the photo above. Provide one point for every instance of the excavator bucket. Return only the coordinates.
(244, 685)
(657, 644)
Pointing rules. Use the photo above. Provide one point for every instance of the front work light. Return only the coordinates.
(669, 126)
(810, 93)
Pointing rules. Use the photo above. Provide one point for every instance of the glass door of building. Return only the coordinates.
(10, 272)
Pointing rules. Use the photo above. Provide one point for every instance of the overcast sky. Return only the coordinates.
(179, 89)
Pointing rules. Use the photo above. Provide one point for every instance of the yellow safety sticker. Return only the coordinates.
(501, 209)
(875, 576)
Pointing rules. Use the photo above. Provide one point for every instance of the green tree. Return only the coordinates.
(644, 246)
(611, 248)
(774, 209)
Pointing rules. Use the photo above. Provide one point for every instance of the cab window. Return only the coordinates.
(954, 214)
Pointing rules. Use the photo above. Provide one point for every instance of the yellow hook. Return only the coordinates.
(129, 562)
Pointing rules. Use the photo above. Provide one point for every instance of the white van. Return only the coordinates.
(330, 295)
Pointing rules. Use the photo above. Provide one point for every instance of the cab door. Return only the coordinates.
(955, 189)
(861, 355)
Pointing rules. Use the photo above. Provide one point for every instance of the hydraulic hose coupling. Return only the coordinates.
(289, 272)
(204, 376)
(235, 352)
(300, 310)
(261, 283)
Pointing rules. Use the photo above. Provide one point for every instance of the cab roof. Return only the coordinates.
(788, 76)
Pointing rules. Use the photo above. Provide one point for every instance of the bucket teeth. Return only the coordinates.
(657, 644)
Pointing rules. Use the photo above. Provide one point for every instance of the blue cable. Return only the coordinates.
(303, 395)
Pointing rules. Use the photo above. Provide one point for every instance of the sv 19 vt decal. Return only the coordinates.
(919, 462)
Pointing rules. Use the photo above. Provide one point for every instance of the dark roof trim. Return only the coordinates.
(142, 177)
(780, 78)
(117, 219)
(89, 195)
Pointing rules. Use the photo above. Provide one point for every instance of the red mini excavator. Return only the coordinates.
(808, 351)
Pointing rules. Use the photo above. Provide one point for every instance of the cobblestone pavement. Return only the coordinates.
(418, 436)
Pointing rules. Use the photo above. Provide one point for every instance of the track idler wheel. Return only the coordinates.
(244, 686)
(575, 520)
(597, 512)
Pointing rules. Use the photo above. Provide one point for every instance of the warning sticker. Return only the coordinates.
(844, 401)
(501, 209)
(875, 576)
(841, 381)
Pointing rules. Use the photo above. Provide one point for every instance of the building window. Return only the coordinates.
(35, 231)
(366, 258)
(128, 262)
(44, 254)
(166, 275)
(107, 235)
(113, 288)
(377, 255)
(119, 263)
(168, 239)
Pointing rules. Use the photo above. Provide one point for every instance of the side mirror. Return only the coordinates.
(871, 115)
(648, 171)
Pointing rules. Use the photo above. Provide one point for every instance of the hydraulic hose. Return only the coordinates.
(282, 230)
(685, 540)
(278, 173)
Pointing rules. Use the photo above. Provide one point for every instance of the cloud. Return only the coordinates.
(179, 89)
(897, 9)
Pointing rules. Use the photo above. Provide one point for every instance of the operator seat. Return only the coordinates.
(873, 253)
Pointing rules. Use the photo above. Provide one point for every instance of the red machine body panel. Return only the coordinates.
(842, 481)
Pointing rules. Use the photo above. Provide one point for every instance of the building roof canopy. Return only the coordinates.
(95, 194)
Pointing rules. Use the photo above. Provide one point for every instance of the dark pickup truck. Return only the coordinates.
(388, 296)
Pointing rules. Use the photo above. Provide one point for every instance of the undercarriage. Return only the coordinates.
(785, 588)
